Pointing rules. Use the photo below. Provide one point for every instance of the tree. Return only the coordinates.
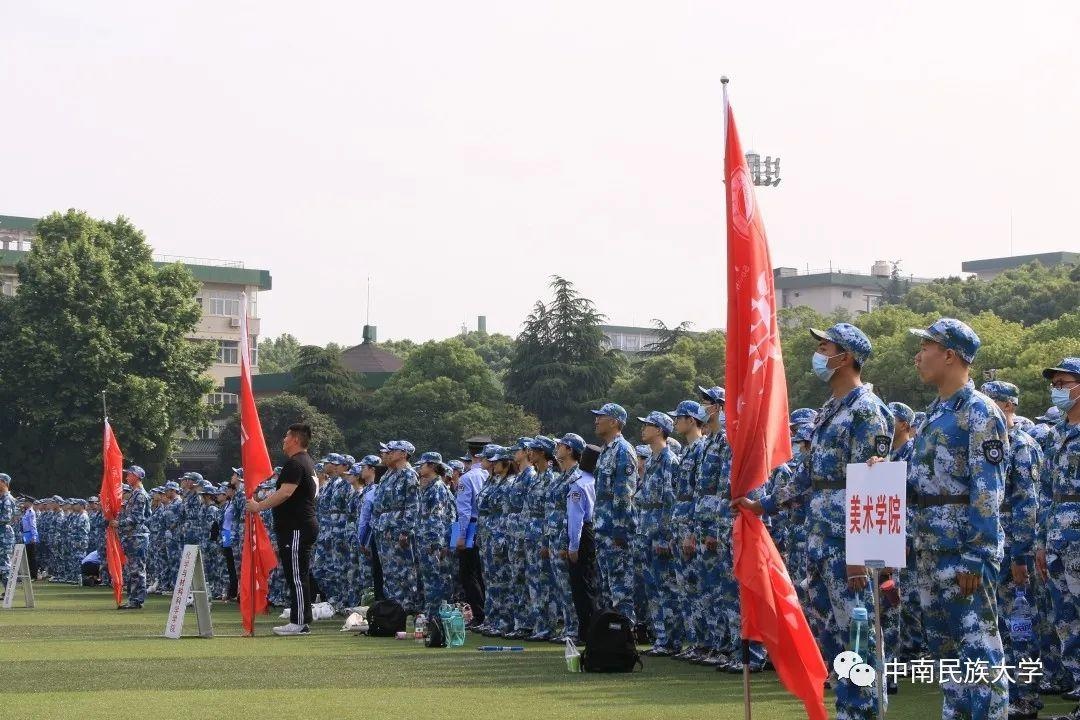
(276, 415)
(443, 394)
(93, 313)
(668, 337)
(401, 348)
(559, 367)
(495, 349)
(321, 378)
(897, 289)
(278, 355)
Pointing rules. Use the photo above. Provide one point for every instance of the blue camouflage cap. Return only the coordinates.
(403, 445)
(457, 465)
(612, 410)
(238, 472)
(334, 459)
(172, 485)
(153, 491)
(320, 467)
(503, 453)
(136, 471)
(1051, 416)
(715, 394)
(349, 459)
(919, 420)
(952, 334)
(1001, 390)
(902, 412)
(488, 452)
(848, 337)
(541, 442)
(660, 420)
(1070, 365)
(383, 447)
(1023, 423)
(573, 441)
(195, 477)
(643, 451)
(431, 457)
(5, 478)
(95, 498)
(78, 501)
(370, 461)
(675, 445)
(522, 443)
(690, 408)
(803, 415)
(804, 432)
(354, 469)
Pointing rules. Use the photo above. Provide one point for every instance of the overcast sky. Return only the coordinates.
(462, 152)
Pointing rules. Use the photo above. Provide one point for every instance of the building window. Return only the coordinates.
(225, 304)
(218, 397)
(210, 432)
(8, 288)
(847, 293)
(253, 349)
(228, 352)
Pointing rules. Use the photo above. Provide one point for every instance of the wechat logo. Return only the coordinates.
(850, 666)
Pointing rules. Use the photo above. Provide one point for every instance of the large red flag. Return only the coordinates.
(757, 427)
(258, 557)
(112, 475)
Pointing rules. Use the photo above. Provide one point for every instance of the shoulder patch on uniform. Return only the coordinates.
(882, 445)
(993, 451)
(575, 495)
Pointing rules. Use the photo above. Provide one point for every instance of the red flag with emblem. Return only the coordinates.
(757, 428)
(258, 557)
(112, 476)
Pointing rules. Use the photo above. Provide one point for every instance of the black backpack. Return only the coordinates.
(385, 618)
(610, 645)
(436, 633)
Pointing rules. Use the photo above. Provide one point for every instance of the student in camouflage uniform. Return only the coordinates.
(538, 571)
(687, 636)
(556, 538)
(490, 538)
(397, 507)
(131, 524)
(7, 528)
(437, 514)
(516, 523)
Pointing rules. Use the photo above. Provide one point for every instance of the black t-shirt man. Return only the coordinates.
(297, 512)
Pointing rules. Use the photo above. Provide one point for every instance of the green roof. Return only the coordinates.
(14, 222)
(1049, 259)
(204, 273)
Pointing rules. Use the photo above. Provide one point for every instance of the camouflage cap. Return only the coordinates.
(952, 334)
(849, 337)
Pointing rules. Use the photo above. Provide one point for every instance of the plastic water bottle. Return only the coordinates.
(456, 628)
(420, 627)
(1020, 620)
(859, 632)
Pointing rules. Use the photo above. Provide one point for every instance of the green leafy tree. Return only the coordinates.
(496, 349)
(278, 355)
(668, 337)
(559, 367)
(94, 314)
(321, 378)
(897, 288)
(276, 414)
(401, 348)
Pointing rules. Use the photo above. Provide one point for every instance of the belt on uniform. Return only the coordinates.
(684, 498)
(1066, 497)
(829, 484)
(650, 506)
(935, 500)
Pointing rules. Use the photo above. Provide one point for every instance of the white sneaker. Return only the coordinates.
(285, 614)
(291, 629)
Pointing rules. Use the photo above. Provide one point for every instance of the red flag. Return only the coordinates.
(112, 475)
(757, 427)
(258, 557)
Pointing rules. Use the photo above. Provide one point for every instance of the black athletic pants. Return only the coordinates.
(294, 551)
(583, 580)
(472, 581)
(230, 565)
(31, 560)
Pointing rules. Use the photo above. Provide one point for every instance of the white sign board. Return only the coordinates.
(190, 580)
(20, 571)
(875, 514)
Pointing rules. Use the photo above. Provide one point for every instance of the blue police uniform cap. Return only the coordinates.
(715, 394)
(573, 441)
(675, 445)
(643, 451)
(1051, 416)
(522, 443)
(349, 459)
(1000, 390)
(1069, 365)
(901, 411)
(4, 477)
(612, 410)
(848, 337)
(952, 334)
(431, 457)
(546, 444)
(403, 445)
(660, 420)
(172, 485)
(369, 461)
(690, 408)
(137, 472)
(1024, 423)
(354, 469)
(803, 415)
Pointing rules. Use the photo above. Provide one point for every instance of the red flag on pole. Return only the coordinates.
(112, 475)
(757, 427)
(258, 557)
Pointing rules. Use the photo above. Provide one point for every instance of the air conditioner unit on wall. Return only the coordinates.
(234, 322)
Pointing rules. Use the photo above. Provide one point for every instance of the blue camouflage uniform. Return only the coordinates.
(847, 430)
(1059, 535)
(538, 571)
(556, 539)
(135, 537)
(438, 513)
(7, 533)
(515, 523)
(615, 523)
(688, 584)
(958, 469)
(399, 504)
(654, 501)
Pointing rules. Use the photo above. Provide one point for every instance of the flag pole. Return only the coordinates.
(747, 703)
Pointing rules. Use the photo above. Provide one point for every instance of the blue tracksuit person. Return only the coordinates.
(958, 469)
(615, 523)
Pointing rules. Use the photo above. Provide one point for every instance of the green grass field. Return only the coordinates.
(75, 656)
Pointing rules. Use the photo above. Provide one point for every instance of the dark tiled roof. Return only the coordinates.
(198, 450)
(369, 358)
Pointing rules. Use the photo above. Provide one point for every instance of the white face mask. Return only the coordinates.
(820, 365)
